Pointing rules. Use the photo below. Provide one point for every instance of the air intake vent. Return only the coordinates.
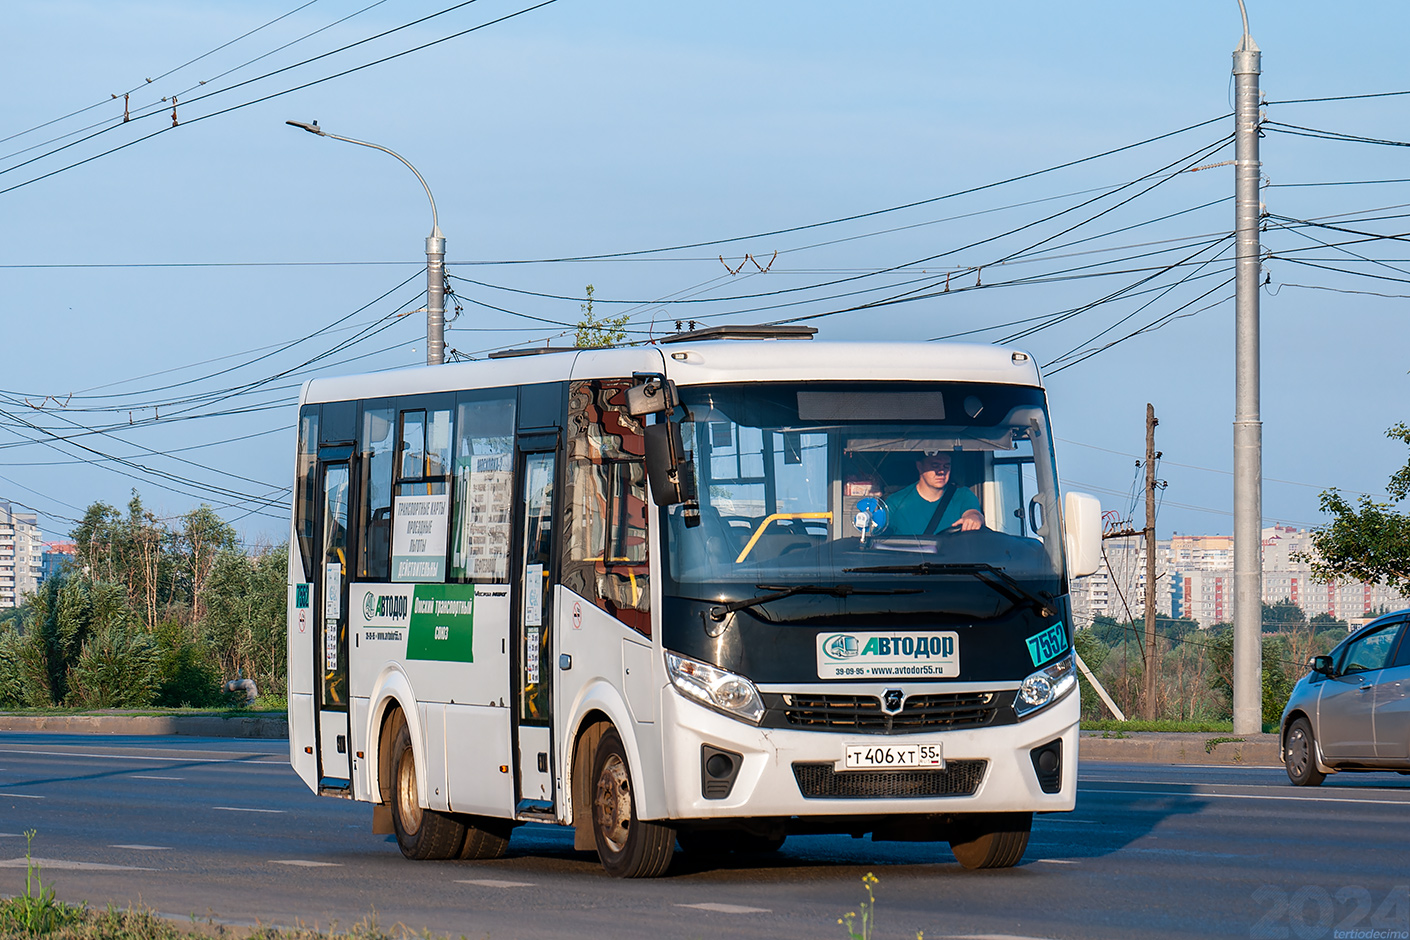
(821, 781)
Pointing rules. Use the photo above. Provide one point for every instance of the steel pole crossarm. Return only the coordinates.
(1248, 426)
(435, 250)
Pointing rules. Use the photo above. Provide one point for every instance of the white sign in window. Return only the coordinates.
(419, 533)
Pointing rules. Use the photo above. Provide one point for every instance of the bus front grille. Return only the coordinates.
(942, 711)
(821, 781)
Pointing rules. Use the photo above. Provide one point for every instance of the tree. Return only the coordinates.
(1370, 542)
(593, 333)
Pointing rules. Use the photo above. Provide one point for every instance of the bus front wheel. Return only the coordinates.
(991, 840)
(421, 833)
(628, 847)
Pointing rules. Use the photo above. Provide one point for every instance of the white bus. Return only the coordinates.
(695, 592)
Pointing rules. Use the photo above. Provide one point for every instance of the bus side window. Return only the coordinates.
(605, 552)
(483, 496)
(376, 444)
(306, 494)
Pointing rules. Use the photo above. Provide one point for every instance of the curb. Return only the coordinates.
(1144, 747)
(206, 726)
(1161, 747)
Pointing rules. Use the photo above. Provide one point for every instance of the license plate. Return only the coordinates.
(891, 757)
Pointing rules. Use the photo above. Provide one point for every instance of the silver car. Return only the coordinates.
(1352, 711)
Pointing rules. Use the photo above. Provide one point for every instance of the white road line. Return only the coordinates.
(20, 796)
(246, 809)
(59, 864)
(492, 883)
(142, 848)
(304, 863)
(727, 908)
(1254, 796)
(990, 936)
(1056, 861)
(154, 777)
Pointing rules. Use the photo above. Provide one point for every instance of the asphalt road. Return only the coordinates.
(223, 829)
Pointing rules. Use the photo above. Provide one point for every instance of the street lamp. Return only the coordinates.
(435, 254)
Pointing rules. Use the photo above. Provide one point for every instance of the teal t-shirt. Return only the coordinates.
(910, 512)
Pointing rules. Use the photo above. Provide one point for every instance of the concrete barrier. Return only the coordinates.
(1159, 747)
(207, 726)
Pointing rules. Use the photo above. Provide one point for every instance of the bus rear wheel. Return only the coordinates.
(485, 838)
(627, 846)
(421, 833)
(991, 840)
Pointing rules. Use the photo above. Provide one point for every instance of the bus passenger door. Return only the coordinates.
(533, 631)
(331, 640)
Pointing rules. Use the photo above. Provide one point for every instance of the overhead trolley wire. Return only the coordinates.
(268, 97)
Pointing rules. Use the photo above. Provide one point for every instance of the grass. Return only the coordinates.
(1189, 727)
(270, 706)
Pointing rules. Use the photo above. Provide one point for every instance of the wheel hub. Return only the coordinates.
(408, 799)
(613, 804)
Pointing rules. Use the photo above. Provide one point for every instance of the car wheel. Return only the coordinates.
(991, 840)
(628, 847)
(1300, 755)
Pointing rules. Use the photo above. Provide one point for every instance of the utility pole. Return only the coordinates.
(1248, 427)
(1148, 706)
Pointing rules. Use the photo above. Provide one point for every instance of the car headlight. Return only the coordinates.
(1046, 686)
(719, 689)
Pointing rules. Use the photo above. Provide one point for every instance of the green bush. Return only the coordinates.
(187, 675)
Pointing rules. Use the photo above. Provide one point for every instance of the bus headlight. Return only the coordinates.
(1046, 686)
(715, 687)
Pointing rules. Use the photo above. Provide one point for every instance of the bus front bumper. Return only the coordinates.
(988, 770)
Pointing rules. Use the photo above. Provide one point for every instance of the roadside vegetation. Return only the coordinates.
(1195, 667)
(152, 613)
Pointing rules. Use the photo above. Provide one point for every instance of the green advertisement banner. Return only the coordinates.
(442, 623)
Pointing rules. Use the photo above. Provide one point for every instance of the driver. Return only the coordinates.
(935, 503)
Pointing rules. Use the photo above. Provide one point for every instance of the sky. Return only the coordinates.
(164, 289)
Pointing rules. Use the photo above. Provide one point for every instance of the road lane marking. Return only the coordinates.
(246, 809)
(59, 864)
(492, 883)
(1254, 796)
(991, 936)
(154, 777)
(21, 796)
(1056, 861)
(143, 848)
(727, 908)
(304, 863)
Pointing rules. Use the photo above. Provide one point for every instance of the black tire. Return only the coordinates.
(421, 833)
(485, 838)
(991, 840)
(628, 847)
(1300, 755)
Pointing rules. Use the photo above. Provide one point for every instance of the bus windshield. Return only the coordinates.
(821, 484)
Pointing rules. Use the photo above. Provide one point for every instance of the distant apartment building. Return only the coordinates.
(56, 558)
(20, 551)
(1195, 580)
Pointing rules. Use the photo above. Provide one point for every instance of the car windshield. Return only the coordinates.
(832, 483)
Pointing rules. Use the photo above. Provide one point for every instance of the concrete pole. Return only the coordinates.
(1248, 427)
(435, 298)
(1148, 707)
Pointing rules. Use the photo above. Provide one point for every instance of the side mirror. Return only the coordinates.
(1321, 665)
(653, 395)
(671, 475)
(1083, 542)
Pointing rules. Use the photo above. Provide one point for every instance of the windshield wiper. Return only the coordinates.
(1006, 585)
(778, 593)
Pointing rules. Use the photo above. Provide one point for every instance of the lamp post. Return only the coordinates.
(435, 254)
